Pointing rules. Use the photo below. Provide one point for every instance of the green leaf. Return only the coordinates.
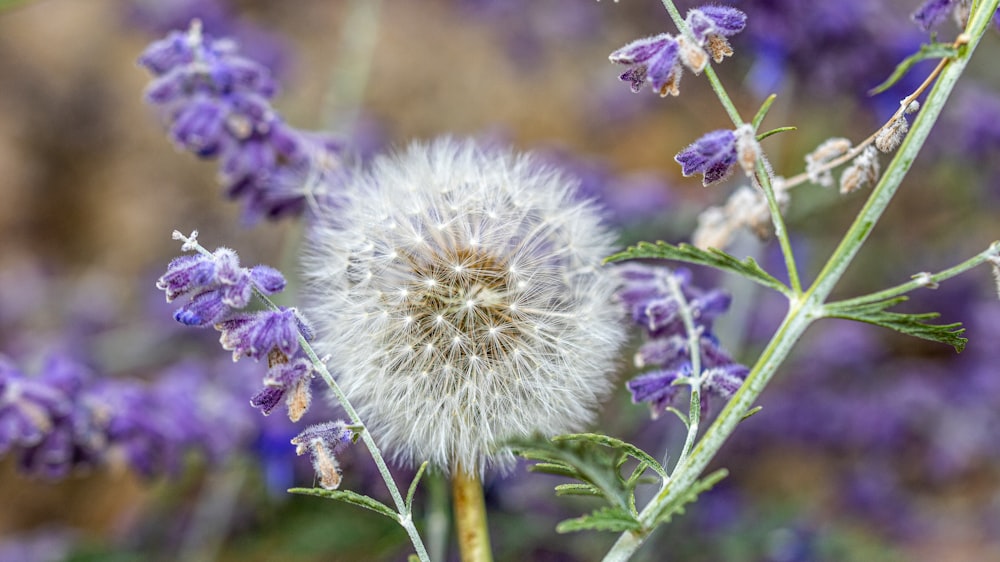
(583, 460)
(606, 441)
(711, 257)
(348, 496)
(762, 112)
(751, 412)
(577, 490)
(605, 519)
(912, 324)
(772, 132)
(933, 50)
(413, 485)
(676, 507)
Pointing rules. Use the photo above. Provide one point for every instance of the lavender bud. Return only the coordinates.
(322, 442)
(889, 137)
(863, 172)
(652, 59)
(713, 155)
(828, 150)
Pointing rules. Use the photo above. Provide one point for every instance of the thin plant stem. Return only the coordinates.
(438, 517)
(470, 516)
(405, 518)
(350, 74)
(694, 380)
(802, 312)
(762, 176)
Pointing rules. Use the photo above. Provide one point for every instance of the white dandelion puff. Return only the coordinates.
(461, 295)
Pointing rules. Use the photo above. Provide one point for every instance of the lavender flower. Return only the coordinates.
(713, 156)
(221, 289)
(216, 103)
(461, 291)
(711, 25)
(655, 60)
(322, 442)
(648, 293)
(219, 284)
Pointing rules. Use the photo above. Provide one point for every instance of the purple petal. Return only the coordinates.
(641, 50)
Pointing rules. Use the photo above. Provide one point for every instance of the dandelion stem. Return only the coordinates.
(470, 517)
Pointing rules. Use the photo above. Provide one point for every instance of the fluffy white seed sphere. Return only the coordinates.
(460, 293)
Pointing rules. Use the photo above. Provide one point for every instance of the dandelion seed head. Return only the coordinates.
(501, 321)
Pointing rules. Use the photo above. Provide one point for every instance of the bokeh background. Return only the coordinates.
(870, 445)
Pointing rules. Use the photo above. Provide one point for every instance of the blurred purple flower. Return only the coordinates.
(322, 442)
(216, 104)
(647, 293)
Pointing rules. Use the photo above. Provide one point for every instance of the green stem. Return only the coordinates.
(923, 280)
(762, 176)
(803, 311)
(694, 380)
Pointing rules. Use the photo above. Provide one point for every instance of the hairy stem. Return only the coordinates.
(470, 517)
(802, 311)
(762, 176)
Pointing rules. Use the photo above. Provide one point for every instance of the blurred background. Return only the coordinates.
(870, 445)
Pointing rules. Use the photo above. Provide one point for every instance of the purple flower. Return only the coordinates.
(657, 388)
(219, 285)
(713, 155)
(322, 442)
(217, 105)
(724, 21)
(289, 381)
(255, 334)
(650, 294)
(932, 12)
(653, 59)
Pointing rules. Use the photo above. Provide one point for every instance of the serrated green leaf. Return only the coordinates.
(711, 257)
(676, 507)
(586, 461)
(933, 50)
(577, 490)
(604, 519)
(606, 441)
(912, 324)
(348, 496)
(413, 485)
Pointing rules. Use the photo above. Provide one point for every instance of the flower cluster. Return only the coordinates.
(217, 106)
(658, 299)
(658, 59)
(219, 289)
(65, 418)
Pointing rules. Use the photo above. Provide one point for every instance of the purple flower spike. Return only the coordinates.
(932, 13)
(713, 155)
(652, 59)
(715, 20)
(255, 334)
(216, 105)
(322, 442)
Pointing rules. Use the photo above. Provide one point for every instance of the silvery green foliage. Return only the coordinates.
(461, 291)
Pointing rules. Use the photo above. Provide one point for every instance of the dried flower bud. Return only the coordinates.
(719, 47)
(692, 55)
(913, 107)
(825, 152)
(747, 149)
(891, 135)
(863, 172)
(714, 230)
